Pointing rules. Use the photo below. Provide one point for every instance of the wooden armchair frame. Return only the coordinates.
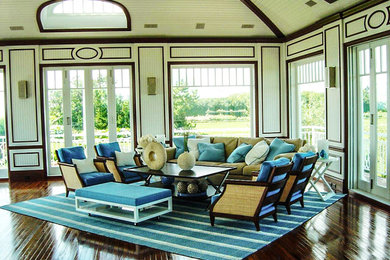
(245, 199)
(71, 175)
(292, 186)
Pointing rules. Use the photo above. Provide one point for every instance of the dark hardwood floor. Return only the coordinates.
(349, 229)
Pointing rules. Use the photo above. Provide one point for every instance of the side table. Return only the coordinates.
(320, 168)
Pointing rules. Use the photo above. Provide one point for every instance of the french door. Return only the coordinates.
(373, 124)
(3, 139)
(87, 106)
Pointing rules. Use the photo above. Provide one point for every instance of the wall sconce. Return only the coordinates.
(23, 89)
(151, 85)
(330, 77)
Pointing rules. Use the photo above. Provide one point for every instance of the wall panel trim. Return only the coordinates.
(304, 39)
(24, 166)
(210, 47)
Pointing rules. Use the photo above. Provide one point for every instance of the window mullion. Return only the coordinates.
(67, 110)
(89, 126)
(111, 106)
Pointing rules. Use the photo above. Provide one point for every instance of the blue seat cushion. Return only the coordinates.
(65, 155)
(132, 195)
(214, 198)
(277, 147)
(211, 152)
(270, 193)
(267, 209)
(108, 149)
(93, 178)
(238, 155)
(179, 143)
(301, 180)
(266, 169)
(296, 195)
(298, 159)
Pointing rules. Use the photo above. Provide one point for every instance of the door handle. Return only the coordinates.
(371, 119)
(68, 121)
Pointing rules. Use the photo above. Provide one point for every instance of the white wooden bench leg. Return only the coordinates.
(136, 216)
(170, 204)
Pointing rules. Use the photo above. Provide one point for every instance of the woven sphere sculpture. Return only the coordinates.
(203, 186)
(186, 161)
(182, 187)
(192, 188)
(155, 156)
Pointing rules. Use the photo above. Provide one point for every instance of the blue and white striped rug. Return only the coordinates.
(184, 231)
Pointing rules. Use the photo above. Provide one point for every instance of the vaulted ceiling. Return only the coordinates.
(178, 18)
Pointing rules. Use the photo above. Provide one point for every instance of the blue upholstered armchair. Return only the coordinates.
(106, 152)
(297, 181)
(74, 179)
(253, 200)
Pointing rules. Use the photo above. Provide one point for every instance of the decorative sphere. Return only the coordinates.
(155, 156)
(186, 161)
(182, 187)
(203, 186)
(192, 188)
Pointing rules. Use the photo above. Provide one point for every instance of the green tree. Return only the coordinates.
(313, 108)
(2, 127)
(122, 112)
(184, 100)
(100, 109)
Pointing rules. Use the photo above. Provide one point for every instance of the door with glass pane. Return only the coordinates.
(86, 107)
(3, 143)
(373, 124)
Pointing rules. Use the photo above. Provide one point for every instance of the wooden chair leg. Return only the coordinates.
(257, 225)
(302, 204)
(275, 217)
(288, 209)
(67, 193)
(212, 219)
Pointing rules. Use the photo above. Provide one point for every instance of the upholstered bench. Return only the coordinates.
(124, 202)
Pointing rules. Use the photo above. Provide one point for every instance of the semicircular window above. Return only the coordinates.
(83, 15)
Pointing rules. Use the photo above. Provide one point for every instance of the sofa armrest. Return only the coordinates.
(171, 151)
(285, 155)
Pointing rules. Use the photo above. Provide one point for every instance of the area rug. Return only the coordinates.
(184, 231)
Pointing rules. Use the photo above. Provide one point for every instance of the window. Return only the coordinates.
(3, 143)
(213, 99)
(308, 96)
(87, 107)
(73, 15)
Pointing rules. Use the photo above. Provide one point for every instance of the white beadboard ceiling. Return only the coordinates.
(178, 18)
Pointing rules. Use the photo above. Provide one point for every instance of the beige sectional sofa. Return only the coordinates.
(243, 170)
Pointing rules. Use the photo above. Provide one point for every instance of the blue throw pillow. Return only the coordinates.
(108, 149)
(66, 155)
(298, 159)
(277, 147)
(238, 155)
(266, 168)
(179, 143)
(211, 152)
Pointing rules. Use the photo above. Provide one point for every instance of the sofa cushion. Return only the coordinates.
(107, 149)
(251, 168)
(179, 144)
(123, 159)
(193, 145)
(257, 154)
(298, 159)
(238, 155)
(212, 152)
(278, 146)
(249, 140)
(267, 167)
(229, 142)
(289, 156)
(239, 167)
(84, 165)
(206, 163)
(297, 142)
(66, 155)
(93, 178)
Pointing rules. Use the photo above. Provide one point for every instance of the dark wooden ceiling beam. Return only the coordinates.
(263, 18)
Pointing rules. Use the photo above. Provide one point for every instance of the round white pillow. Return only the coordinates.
(257, 154)
(155, 156)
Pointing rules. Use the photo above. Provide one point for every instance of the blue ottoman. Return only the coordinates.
(124, 202)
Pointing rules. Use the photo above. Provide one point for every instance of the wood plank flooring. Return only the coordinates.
(349, 229)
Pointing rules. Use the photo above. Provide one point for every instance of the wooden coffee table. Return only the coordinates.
(174, 171)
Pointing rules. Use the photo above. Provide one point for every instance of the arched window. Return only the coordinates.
(83, 15)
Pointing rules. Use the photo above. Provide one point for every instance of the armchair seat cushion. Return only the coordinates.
(266, 209)
(93, 178)
(296, 195)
